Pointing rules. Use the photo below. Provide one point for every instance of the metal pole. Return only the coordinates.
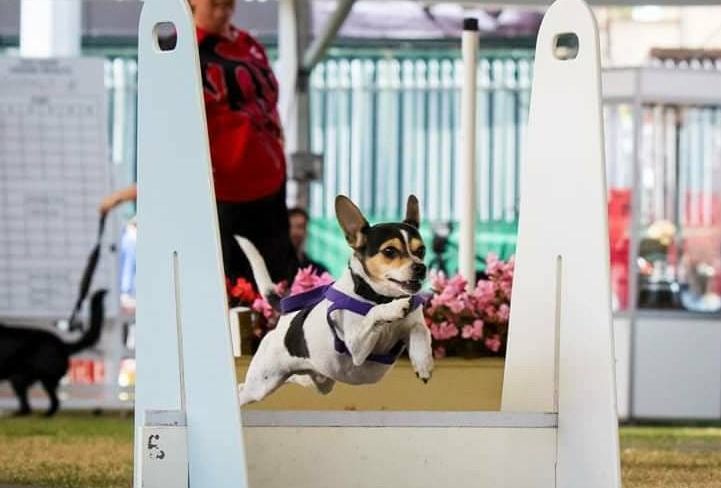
(294, 104)
(467, 196)
(317, 49)
(634, 241)
(50, 28)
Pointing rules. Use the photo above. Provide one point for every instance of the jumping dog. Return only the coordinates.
(353, 330)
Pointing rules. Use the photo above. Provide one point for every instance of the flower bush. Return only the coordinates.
(266, 317)
(475, 323)
(461, 323)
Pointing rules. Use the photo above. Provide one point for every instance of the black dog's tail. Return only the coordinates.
(97, 317)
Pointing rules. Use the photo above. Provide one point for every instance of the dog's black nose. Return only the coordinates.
(419, 270)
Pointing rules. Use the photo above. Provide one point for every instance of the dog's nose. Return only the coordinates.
(419, 270)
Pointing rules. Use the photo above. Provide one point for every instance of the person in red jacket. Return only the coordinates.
(246, 143)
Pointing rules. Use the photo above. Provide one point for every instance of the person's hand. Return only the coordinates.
(116, 198)
(108, 203)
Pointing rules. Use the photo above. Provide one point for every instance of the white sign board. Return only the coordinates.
(54, 170)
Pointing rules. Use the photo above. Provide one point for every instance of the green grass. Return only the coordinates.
(69, 451)
(656, 457)
(85, 451)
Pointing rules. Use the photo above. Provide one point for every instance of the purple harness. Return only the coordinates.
(341, 301)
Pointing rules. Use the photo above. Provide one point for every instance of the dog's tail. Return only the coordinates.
(257, 264)
(97, 317)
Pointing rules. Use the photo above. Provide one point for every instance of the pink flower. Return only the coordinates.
(439, 352)
(443, 331)
(493, 343)
(484, 293)
(473, 332)
(456, 306)
(504, 312)
(262, 306)
(438, 280)
(306, 279)
(510, 265)
(505, 288)
(490, 312)
(457, 284)
(493, 265)
(440, 300)
(324, 279)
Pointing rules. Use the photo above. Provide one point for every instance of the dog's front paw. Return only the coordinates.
(407, 306)
(395, 310)
(424, 369)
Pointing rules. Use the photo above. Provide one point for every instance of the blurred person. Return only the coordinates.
(298, 234)
(246, 143)
(127, 266)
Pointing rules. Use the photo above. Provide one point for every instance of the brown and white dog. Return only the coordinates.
(354, 332)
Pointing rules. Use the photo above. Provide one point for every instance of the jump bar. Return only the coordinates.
(283, 418)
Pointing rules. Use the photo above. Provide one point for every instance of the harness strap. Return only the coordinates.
(303, 300)
(341, 301)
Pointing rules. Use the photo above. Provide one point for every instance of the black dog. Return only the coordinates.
(30, 355)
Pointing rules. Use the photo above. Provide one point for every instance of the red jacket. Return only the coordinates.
(241, 97)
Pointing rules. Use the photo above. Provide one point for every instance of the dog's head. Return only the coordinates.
(389, 257)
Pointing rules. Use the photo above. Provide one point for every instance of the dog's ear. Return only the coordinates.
(351, 220)
(413, 213)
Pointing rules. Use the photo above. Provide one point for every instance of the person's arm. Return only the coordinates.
(116, 198)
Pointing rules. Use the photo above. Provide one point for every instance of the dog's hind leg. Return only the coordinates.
(323, 384)
(301, 379)
(258, 386)
(20, 386)
(51, 386)
(267, 371)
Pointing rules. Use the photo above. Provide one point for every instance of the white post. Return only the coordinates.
(184, 358)
(50, 28)
(560, 345)
(467, 196)
(294, 103)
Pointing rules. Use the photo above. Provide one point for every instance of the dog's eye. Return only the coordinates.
(421, 252)
(390, 252)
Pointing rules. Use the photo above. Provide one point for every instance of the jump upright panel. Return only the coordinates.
(560, 349)
(180, 281)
